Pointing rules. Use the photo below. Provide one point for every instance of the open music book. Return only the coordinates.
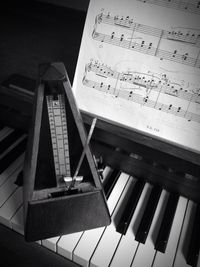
(139, 66)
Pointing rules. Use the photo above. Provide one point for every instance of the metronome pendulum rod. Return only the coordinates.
(82, 154)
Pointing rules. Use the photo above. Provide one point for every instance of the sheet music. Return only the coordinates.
(139, 66)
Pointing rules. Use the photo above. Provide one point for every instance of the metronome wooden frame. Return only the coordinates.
(51, 207)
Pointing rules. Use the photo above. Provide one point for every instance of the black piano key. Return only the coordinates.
(147, 217)
(112, 179)
(129, 209)
(165, 228)
(12, 155)
(9, 140)
(1, 126)
(194, 245)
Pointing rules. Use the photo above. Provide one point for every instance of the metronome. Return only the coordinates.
(62, 189)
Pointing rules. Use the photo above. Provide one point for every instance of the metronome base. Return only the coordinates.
(64, 215)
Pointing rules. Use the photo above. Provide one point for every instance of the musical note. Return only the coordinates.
(185, 48)
(141, 88)
(158, 83)
(190, 36)
(187, 35)
(123, 22)
(138, 99)
(112, 35)
(187, 6)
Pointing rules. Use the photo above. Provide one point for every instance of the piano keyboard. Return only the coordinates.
(150, 226)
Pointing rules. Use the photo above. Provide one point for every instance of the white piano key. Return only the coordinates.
(11, 169)
(106, 172)
(180, 259)
(166, 259)
(13, 145)
(17, 221)
(198, 263)
(67, 244)
(117, 191)
(111, 237)
(128, 245)
(50, 243)
(9, 186)
(10, 207)
(90, 238)
(5, 132)
(147, 249)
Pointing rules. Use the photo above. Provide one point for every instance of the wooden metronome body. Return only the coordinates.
(55, 201)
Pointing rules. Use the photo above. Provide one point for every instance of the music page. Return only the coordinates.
(139, 66)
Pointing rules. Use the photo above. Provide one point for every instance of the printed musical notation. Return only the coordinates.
(141, 68)
(155, 91)
(181, 45)
(192, 6)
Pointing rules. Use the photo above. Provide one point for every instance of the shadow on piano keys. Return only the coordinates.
(144, 217)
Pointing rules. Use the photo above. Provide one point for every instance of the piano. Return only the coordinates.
(152, 190)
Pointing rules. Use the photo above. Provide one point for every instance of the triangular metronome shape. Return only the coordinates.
(62, 189)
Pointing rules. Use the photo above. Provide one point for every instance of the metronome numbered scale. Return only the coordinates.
(59, 135)
(60, 146)
(62, 190)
